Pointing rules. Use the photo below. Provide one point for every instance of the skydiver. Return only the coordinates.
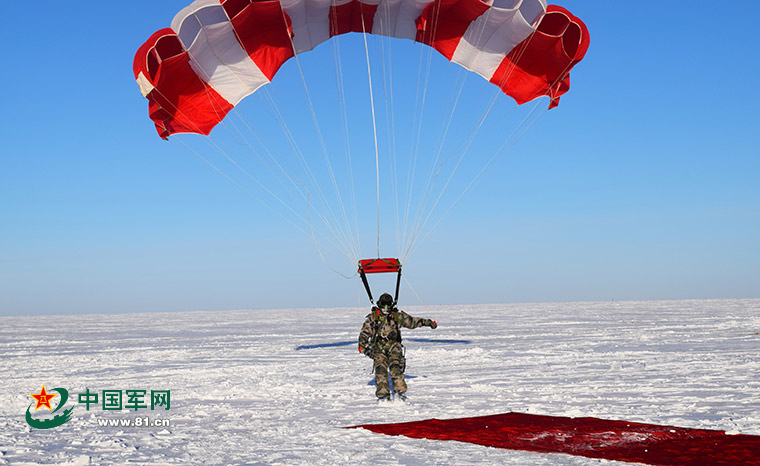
(380, 340)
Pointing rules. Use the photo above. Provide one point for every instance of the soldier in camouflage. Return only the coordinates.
(380, 339)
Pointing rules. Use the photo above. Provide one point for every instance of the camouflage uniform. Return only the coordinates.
(380, 339)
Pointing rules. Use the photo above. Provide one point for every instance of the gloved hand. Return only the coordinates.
(367, 352)
(431, 323)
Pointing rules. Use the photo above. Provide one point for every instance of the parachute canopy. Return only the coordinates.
(217, 52)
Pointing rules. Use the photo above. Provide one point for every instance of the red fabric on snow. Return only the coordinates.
(589, 437)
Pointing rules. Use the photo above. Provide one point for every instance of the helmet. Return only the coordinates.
(385, 303)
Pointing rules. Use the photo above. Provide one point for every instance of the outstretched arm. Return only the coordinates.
(405, 320)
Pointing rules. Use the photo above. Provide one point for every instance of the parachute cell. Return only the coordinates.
(219, 51)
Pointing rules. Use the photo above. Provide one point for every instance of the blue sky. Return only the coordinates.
(643, 184)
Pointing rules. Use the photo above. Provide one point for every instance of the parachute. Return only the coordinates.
(379, 265)
(217, 52)
(197, 73)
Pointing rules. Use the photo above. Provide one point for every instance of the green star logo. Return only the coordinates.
(43, 400)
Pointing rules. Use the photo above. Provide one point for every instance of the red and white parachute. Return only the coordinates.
(217, 52)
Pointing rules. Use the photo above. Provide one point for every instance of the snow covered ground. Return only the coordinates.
(278, 386)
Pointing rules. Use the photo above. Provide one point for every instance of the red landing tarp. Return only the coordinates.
(590, 437)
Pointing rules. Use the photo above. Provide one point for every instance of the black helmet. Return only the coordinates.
(385, 302)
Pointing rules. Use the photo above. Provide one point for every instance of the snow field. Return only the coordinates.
(278, 386)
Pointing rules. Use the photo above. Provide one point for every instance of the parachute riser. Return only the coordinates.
(390, 266)
(366, 284)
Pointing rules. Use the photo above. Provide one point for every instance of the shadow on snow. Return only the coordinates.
(353, 342)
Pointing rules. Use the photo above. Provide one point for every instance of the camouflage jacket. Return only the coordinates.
(379, 329)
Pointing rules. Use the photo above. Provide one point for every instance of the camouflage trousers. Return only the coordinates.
(390, 359)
